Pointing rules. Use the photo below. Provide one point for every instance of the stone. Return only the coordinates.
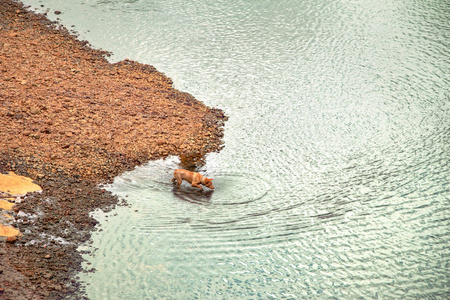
(34, 110)
(11, 239)
(17, 185)
(6, 205)
(8, 231)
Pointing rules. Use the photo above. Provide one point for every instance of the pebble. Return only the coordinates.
(11, 239)
(34, 110)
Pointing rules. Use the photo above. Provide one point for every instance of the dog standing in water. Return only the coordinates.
(194, 178)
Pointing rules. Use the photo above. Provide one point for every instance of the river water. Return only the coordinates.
(334, 179)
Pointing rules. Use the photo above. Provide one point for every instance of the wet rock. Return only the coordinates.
(11, 239)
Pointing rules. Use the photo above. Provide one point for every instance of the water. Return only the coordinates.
(334, 182)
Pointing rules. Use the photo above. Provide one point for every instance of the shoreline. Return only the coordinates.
(70, 121)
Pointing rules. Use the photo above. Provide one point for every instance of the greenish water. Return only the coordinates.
(334, 182)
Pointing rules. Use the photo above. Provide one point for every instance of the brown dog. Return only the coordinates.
(194, 178)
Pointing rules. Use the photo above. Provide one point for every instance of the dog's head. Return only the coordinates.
(208, 183)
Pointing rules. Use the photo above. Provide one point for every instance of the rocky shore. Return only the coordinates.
(70, 120)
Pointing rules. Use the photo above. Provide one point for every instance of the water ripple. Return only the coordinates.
(334, 182)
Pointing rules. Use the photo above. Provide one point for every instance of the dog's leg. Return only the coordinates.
(179, 179)
(197, 185)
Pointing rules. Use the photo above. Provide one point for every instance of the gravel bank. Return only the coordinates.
(71, 120)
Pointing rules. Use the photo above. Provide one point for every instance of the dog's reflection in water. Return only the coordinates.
(193, 195)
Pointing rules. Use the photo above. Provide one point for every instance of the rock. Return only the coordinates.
(57, 12)
(34, 110)
(17, 185)
(47, 256)
(11, 239)
(6, 205)
(45, 130)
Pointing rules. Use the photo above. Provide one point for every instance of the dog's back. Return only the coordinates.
(186, 175)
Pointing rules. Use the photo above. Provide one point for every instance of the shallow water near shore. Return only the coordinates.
(334, 179)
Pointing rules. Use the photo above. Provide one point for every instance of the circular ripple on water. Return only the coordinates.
(230, 189)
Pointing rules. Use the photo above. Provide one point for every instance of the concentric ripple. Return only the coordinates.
(232, 189)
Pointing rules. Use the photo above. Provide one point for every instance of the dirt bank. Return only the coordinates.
(70, 120)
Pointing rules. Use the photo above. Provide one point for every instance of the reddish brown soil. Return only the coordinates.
(70, 120)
